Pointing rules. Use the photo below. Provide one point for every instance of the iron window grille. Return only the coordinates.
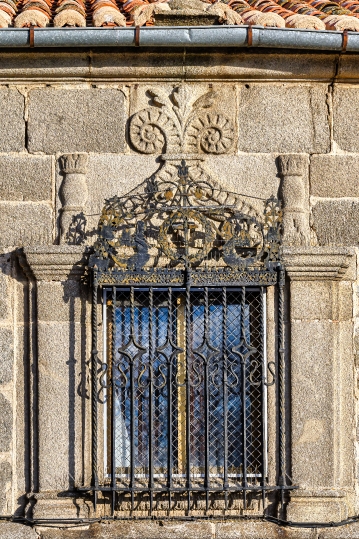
(183, 268)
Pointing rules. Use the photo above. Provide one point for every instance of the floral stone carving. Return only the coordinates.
(179, 123)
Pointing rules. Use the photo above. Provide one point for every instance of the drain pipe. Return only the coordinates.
(180, 36)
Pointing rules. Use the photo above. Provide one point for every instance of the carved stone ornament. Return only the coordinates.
(296, 228)
(182, 223)
(73, 195)
(179, 123)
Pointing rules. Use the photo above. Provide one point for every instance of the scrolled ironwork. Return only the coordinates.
(185, 224)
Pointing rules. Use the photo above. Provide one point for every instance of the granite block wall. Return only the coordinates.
(56, 105)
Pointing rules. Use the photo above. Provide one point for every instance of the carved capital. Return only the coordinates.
(56, 262)
(74, 163)
(316, 263)
(73, 194)
(292, 165)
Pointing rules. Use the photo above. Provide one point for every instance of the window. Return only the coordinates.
(184, 371)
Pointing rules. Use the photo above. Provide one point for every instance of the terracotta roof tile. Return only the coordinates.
(308, 14)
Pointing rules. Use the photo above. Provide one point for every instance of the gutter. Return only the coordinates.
(181, 36)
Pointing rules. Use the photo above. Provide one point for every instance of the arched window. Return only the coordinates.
(184, 267)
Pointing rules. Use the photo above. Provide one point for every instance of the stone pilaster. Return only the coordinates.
(296, 230)
(62, 352)
(321, 364)
(73, 192)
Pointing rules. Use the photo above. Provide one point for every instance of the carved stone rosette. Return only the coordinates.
(73, 195)
(296, 229)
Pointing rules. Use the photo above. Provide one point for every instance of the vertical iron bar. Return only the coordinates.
(150, 437)
(113, 404)
(281, 375)
(188, 387)
(263, 393)
(244, 383)
(206, 400)
(132, 403)
(94, 388)
(225, 395)
(170, 411)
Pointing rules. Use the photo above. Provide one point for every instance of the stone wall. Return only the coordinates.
(66, 145)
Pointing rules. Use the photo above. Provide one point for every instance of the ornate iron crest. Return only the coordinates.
(186, 224)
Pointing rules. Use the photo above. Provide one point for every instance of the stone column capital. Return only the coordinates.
(56, 262)
(292, 164)
(316, 263)
(74, 163)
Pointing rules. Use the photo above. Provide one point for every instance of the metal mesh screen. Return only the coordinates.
(187, 396)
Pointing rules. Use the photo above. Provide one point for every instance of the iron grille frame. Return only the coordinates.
(275, 278)
(205, 237)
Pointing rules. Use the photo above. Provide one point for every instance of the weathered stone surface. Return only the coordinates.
(5, 287)
(5, 482)
(10, 530)
(62, 301)
(253, 530)
(137, 530)
(252, 175)
(110, 175)
(5, 423)
(25, 178)
(323, 300)
(283, 118)
(7, 355)
(315, 509)
(334, 176)
(62, 354)
(12, 126)
(346, 118)
(336, 222)
(70, 120)
(351, 531)
(25, 223)
(313, 449)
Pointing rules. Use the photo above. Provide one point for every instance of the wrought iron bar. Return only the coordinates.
(170, 397)
(94, 388)
(151, 357)
(263, 393)
(281, 376)
(113, 403)
(206, 398)
(225, 395)
(244, 394)
(132, 399)
(188, 387)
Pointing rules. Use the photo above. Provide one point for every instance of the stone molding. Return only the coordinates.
(296, 229)
(316, 263)
(73, 193)
(56, 262)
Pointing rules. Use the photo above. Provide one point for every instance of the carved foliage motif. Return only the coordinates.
(186, 223)
(178, 123)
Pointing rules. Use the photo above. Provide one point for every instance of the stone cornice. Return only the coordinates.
(56, 262)
(316, 263)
